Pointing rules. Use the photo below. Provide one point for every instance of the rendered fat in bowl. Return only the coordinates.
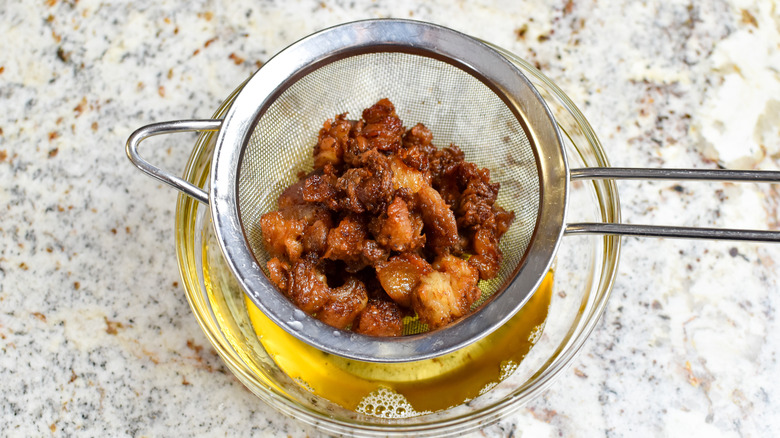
(253, 349)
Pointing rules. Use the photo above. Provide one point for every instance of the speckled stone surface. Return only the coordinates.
(97, 337)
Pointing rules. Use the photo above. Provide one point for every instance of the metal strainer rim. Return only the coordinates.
(415, 37)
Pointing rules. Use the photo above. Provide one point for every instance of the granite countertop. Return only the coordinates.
(97, 336)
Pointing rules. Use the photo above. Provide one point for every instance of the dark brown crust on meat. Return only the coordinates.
(386, 225)
(379, 318)
(344, 304)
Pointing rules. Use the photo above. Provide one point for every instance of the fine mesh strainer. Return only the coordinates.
(467, 94)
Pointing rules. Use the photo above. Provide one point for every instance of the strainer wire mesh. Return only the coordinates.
(455, 105)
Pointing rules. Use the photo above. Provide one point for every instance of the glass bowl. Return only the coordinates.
(575, 295)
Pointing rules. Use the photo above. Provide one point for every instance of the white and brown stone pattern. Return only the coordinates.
(97, 337)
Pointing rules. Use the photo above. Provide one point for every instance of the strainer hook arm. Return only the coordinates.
(667, 231)
(153, 129)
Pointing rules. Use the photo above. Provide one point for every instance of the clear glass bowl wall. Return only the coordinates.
(585, 267)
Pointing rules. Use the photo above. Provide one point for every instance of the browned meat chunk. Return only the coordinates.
(349, 243)
(379, 318)
(320, 187)
(417, 148)
(386, 215)
(445, 162)
(487, 258)
(315, 236)
(373, 253)
(352, 184)
(282, 237)
(504, 220)
(447, 293)
(400, 275)
(298, 227)
(368, 188)
(404, 177)
(345, 242)
(332, 141)
(308, 287)
(420, 136)
(279, 272)
(344, 304)
(440, 226)
(383, 129)
(398, 229)
(477, 198)
(292, 198)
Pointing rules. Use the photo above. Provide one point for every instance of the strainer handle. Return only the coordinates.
(676, 174)
(174, 181)
(667, 231)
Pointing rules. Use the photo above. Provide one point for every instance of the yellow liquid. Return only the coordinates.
(426, 386)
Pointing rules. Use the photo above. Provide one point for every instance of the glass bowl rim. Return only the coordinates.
(537, 384)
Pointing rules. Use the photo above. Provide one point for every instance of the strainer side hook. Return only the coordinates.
(141, 134)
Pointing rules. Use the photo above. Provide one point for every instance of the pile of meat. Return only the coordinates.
(386, 226)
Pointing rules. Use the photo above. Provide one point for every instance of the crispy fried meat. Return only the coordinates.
(379, 318)
(447, 293)
(386, 225)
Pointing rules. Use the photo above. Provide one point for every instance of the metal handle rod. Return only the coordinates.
(174, 181)
(670, 231)
(678, 232)
(676, 174)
